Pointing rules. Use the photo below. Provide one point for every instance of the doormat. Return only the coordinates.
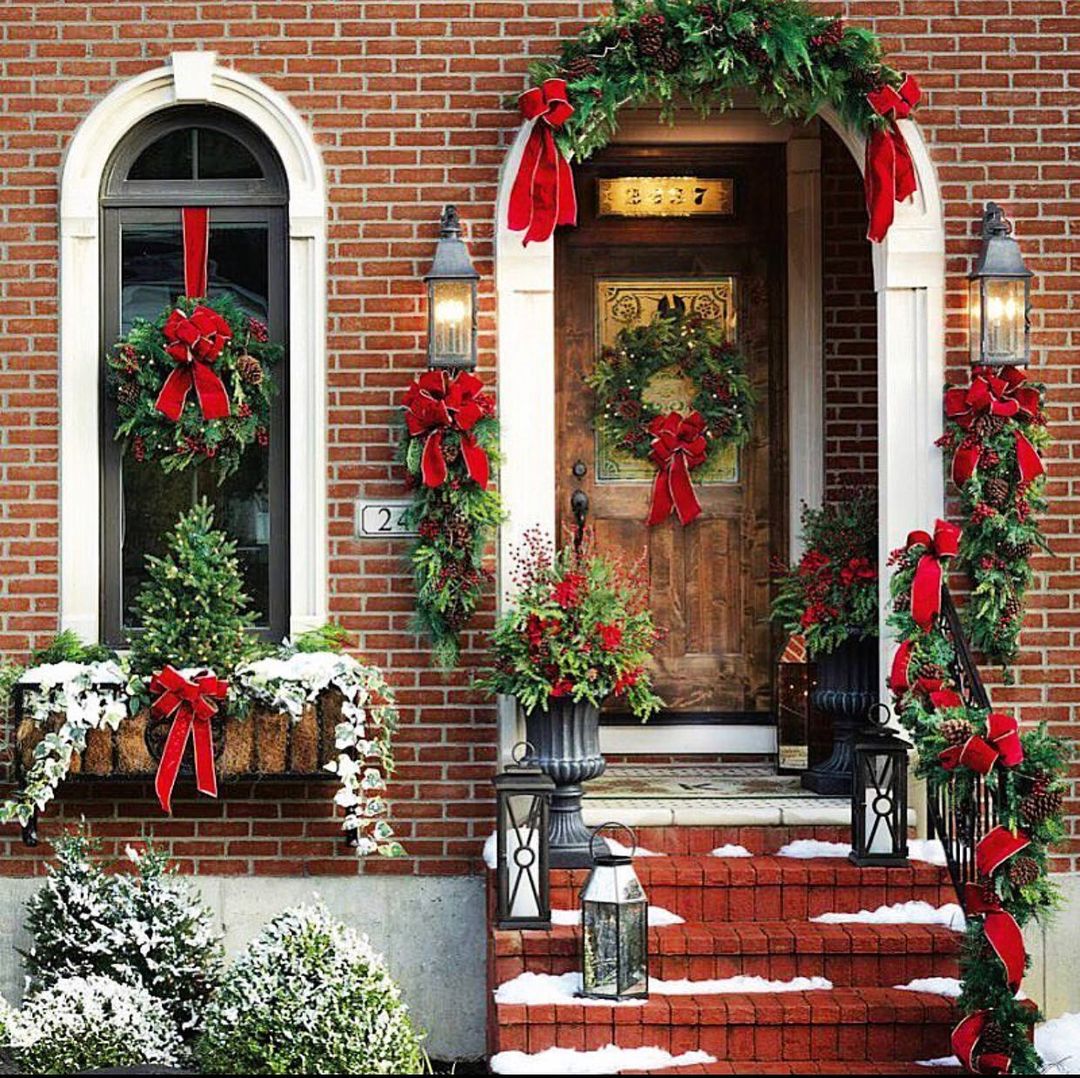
(691, 783)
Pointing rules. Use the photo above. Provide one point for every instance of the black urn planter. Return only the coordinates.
(564, 743)
(847, 687)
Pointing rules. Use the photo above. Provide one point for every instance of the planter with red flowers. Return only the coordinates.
(830, 597)
(578, 632)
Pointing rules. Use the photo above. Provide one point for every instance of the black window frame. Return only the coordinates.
(125, 202)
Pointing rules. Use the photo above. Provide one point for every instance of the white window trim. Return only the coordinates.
(189, 78)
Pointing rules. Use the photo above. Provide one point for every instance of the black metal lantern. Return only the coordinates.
(523, 807)
(614, 926)
(999, 296)
(451, 287)
(879, 793)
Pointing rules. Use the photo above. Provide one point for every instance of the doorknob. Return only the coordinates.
(579, 506)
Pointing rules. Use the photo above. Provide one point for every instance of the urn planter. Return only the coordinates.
(847, 687)
(564, 743)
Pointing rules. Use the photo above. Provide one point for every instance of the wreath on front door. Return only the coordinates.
(720, 403)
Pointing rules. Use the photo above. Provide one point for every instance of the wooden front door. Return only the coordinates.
(709, 580)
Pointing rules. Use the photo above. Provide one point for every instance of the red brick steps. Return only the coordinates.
(804, 1067)
(869, 955)
(701, 841)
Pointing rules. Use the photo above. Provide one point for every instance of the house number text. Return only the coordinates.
(666, 196)
(381, 519)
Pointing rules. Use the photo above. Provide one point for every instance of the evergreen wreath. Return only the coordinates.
(450, 447)
(949, 735)
(996, 430)
(239, 353)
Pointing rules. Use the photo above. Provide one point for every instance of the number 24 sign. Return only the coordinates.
(382, 519)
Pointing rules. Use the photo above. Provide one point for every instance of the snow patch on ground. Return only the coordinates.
(1058, 1042)
(731, 850)
(929, 850)
(658, 917)
(619, 850)
(902, 913)
(940, 986)
(550, 988)
(491, 856)
(609, 1060)
(737, 984)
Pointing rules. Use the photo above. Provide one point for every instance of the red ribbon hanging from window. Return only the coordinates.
(890, 172)
(194, 341)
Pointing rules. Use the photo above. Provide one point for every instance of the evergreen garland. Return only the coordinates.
(703, 52)
(1031, 801)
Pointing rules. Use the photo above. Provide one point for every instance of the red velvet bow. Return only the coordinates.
(678, 446)
(435, 404)
(929, 573)
(1002, 742)
(190, 704)
(890, 172)
(932, 688)
(1001, 393)
(965, 1044)
(1001, 931)
(543, 192)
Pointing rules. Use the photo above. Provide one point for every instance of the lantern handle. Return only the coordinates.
(526, 749)
(879, 715)
(619, 826)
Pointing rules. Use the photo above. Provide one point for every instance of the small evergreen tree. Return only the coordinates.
(192, 608)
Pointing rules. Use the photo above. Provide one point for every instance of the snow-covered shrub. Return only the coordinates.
(147, 926)
(308, 996)
(79, 1023)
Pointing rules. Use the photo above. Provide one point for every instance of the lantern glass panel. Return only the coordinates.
(633, 963)
(600, 927)
(879, 807)
(524, 820)
(1005, 316)
(975, 307)
(451, 322)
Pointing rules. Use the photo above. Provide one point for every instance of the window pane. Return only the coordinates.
(221, 157)
(151, 276)
(169, 158)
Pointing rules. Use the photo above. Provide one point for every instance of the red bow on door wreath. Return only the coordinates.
(998, 394)
(194, 341)
(929, 573)
(190, 704)
(678, 446)
(543, 192)
(890, 172)
(435, 404)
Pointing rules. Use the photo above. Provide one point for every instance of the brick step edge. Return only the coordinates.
(804, 1067)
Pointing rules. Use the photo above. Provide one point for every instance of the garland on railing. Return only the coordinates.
(957, 743)
(996, 430)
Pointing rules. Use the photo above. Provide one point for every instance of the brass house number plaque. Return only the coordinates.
(666, 196)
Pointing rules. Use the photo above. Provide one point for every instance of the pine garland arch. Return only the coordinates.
(702, 53)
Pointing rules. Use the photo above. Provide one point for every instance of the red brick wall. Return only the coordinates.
(405, 99)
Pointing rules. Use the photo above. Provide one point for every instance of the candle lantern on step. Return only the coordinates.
(523, 806)
(614, 924)
(879, 793)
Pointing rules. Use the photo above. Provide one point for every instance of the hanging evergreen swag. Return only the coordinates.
(957, 744)
(996, 429)
(449, 448)
(194, 384)
(718, 415)
(702, 52)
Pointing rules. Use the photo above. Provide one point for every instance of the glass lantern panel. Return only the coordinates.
(600, 933)
(522, 823)
(879, 803)
(975, 302)
(633, 964)
(452, 321)
(1005, 320)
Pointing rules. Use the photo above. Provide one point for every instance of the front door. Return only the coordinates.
(710, 579)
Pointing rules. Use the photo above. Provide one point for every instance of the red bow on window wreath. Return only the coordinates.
(195, 340)
(890, 172)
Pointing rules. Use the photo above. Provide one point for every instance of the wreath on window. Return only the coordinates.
(698, 350)
(194, 384)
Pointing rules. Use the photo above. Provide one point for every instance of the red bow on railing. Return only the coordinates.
(435, 404)
(890, 173)
(195, 340)
(543, 192)
(929, 573)
(1002, 742)
(1003, 393)
(1001, 930)
(965, 1044)
(190, 705)
(678, 446)
(932, 687)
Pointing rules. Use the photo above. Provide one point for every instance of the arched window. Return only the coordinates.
(194, 156)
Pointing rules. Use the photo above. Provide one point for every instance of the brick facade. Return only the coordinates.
(405, 99)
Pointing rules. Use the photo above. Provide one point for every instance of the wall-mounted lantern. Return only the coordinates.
(451, 288)
(999, 296)
(879, 793)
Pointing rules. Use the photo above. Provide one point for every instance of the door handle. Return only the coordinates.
(579, 506)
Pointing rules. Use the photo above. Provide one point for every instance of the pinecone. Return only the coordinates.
(996, 492)
(580, 67)
(831, 35)
(1040, 805)
(451, 451)
(458, 531)
(866, 80)
(989, 891)
(669, 58)
(128, 393)
(993, 1040)
(707, 12)
(249, 369)
(1016, 551)
(1012, 608)
(956, 731)
(750, 48)
(933, 672)
(649, 34)
(902, 601)
(1023, 871)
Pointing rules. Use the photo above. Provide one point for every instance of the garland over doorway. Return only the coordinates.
(702, 52)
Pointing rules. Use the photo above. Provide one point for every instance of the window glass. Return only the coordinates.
(201, 153)
(221, 157)
(171, 157)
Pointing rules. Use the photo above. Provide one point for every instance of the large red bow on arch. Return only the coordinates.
(930, 572)
(1000, 393)
(435, 404)
(889, 176)
(189, 702)
(678, 446)
(543, 192)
